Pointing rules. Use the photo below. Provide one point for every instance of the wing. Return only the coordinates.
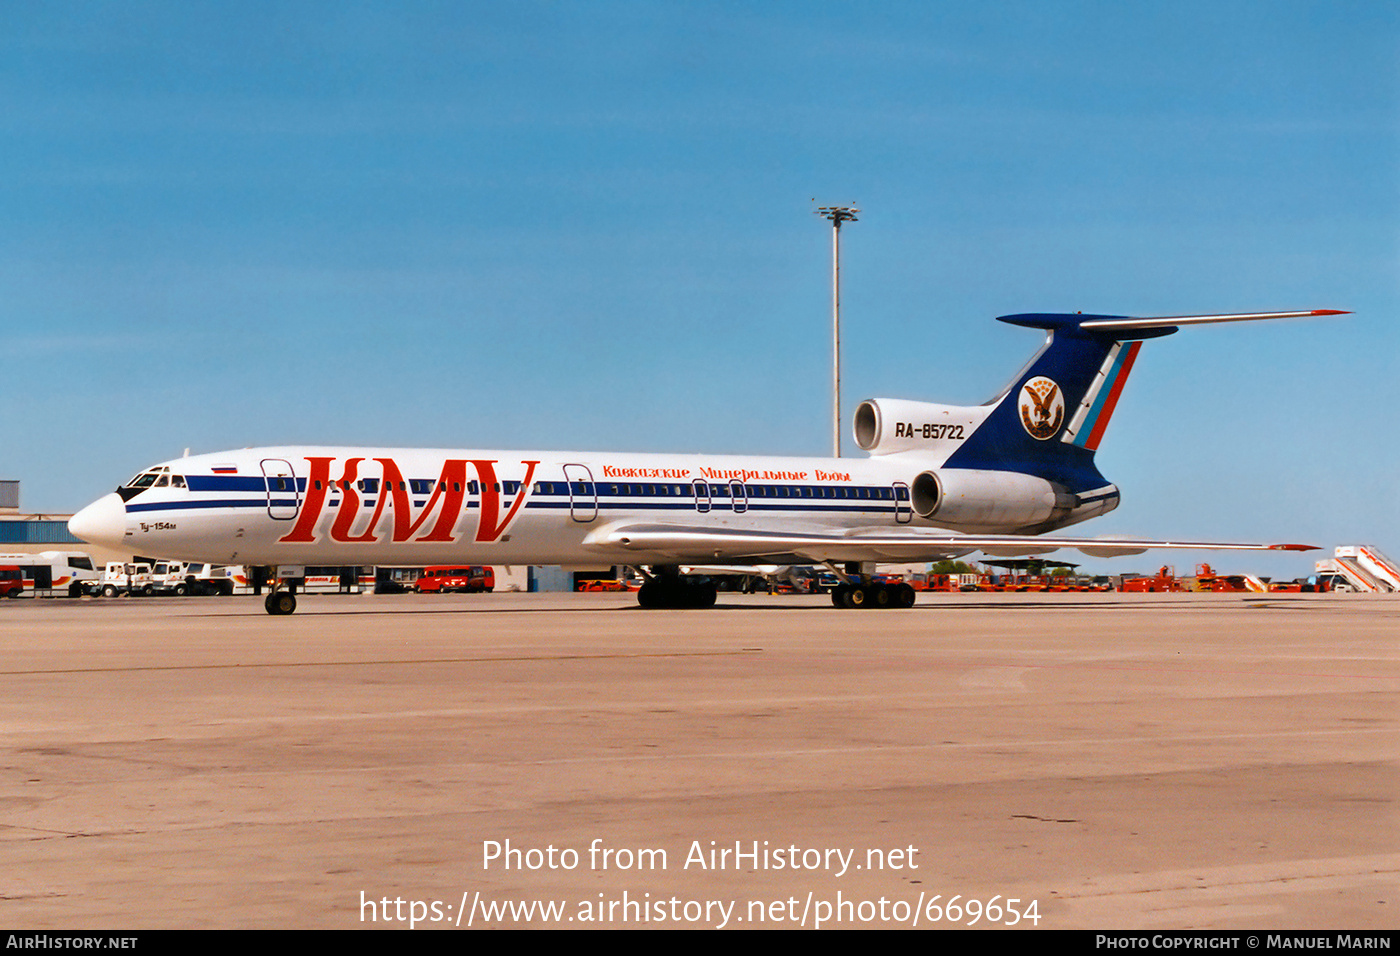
(681, 544)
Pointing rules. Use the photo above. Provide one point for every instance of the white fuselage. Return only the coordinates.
(400, 506)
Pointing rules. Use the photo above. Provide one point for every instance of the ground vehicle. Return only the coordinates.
(168, 577)
(124, 578)
(950, 582)
(1208, 579)
(395, 580)
(54, 573)
(335, 579)
(1164, 580)
(466, 579)
(605, 584)
(214, 579)
(180, 578)
(11, 581)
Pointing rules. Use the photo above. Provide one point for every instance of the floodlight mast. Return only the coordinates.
(837, 215)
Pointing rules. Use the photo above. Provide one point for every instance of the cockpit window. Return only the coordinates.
(159, 477)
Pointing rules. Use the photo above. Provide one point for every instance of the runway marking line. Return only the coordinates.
(424, 660)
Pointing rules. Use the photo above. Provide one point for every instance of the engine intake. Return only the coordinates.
(883, 426)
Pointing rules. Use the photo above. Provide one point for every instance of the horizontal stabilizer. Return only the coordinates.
(1176, 321)
(1125, 327)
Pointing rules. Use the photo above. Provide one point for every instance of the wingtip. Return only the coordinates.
(1293, 547)
(1330, 312)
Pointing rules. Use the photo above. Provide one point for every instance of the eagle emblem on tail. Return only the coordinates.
(1042, 408)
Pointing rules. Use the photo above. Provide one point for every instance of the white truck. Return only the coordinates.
(222, 579)
(180, 578)
(123, 577)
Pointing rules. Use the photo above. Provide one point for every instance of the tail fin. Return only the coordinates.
(1051, 418)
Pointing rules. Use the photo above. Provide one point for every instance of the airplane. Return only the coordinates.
(940, 481)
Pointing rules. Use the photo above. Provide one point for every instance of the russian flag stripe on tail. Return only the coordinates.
(1090, 421)
(1104, 412)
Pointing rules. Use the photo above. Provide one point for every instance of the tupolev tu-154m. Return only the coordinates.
(940, 481)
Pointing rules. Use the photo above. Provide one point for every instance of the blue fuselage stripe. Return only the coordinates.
(817, 506)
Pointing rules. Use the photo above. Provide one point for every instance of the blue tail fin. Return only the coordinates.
(1051, 418)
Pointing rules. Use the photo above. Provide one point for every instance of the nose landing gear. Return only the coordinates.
(280, 602)
(282, 598)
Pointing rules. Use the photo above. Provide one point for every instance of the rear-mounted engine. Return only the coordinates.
(988, 501)
(884, 426)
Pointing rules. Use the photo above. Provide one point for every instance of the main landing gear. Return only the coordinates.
(873, 594)
(665, 588)
(859, 589)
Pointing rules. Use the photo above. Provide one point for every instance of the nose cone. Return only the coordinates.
(102, 522)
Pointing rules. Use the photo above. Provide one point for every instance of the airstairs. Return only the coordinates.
(1364, 568)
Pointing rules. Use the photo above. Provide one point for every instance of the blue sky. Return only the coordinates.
(589, 226)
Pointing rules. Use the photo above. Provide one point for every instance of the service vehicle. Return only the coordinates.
(54, 573)
(605, 584)
(463, 579)
(129, 577)
(11, 581)
(220, 579)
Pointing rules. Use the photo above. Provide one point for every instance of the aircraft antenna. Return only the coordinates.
(837, 215)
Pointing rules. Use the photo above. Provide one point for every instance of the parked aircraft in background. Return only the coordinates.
(941, 481)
